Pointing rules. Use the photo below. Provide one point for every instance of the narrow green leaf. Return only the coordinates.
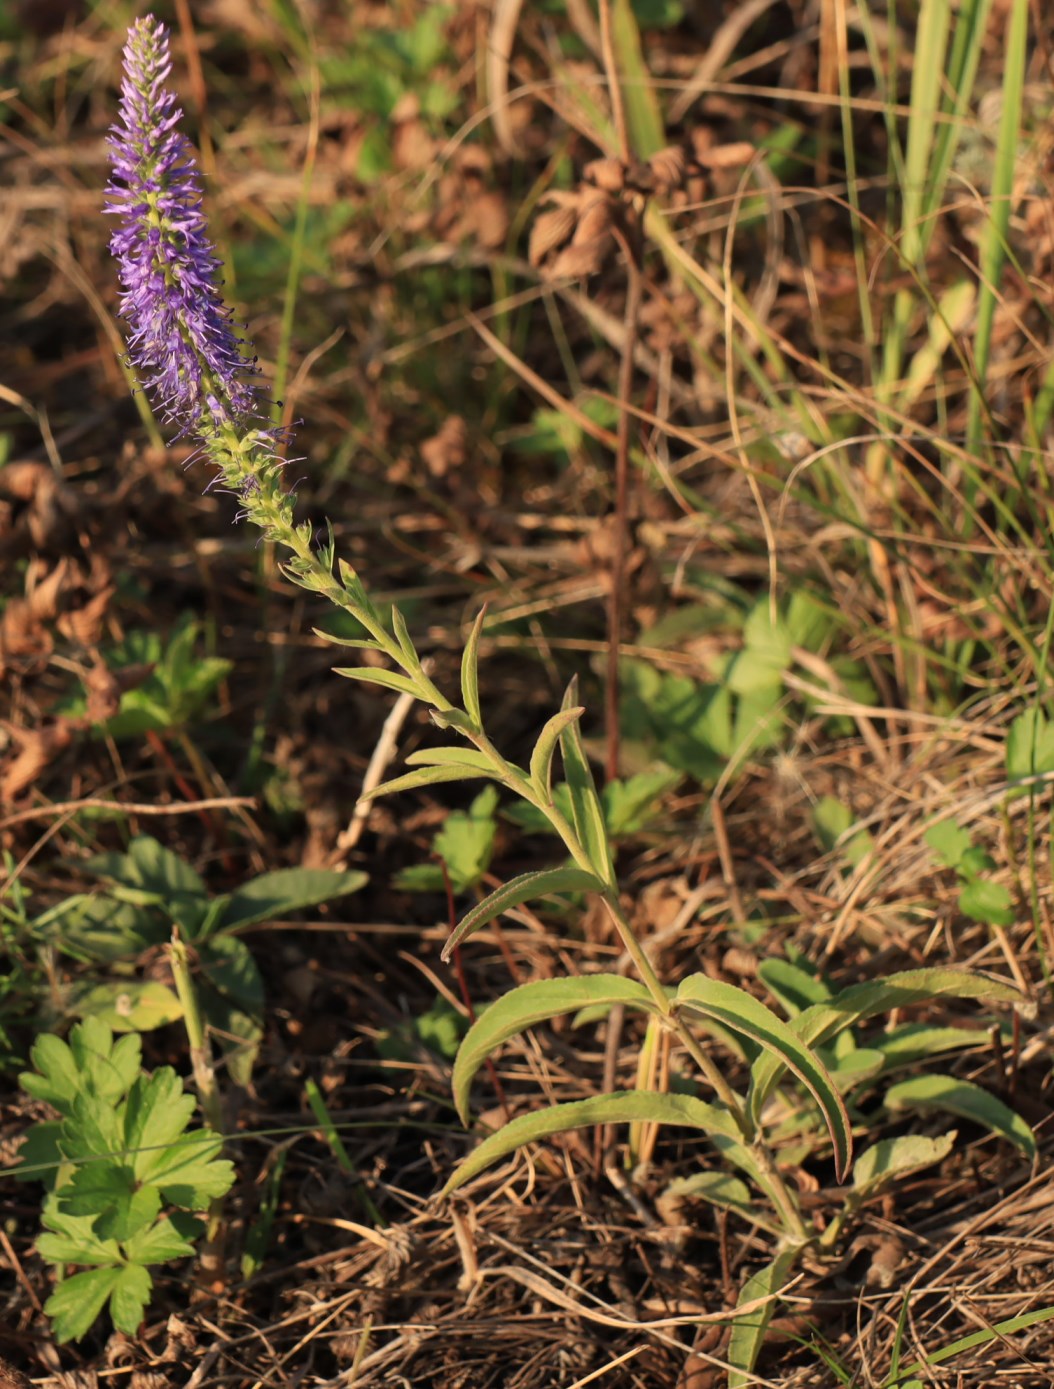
(855, 1004)
(743, 1013)
(402, 636)
(532, 1003)
(643, 115)
(948, 1095)
(585, 803)
(622, 1107)
(748, 1331)
(388, 679)
(470, 670)
(357, 643)
(452, 757)
(892, 1158)
(521, 889)
(424, 776)
(999, 1332)
(544, 749)
(453, 718)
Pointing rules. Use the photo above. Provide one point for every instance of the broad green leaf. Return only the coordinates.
(1029, 747)
(129, 1006)
(188, 1173)
(892, 1158)
(819, 1023)
(983, 900)
(916, 1041)
(165, 878)
(521, 889)
(743, 1013)
(630, 804)
(129, 1297)
(228, 966)
(831, 820)
(793, 987)
(424, 776)
(274, 895)
(470, 671)
(643, 115)
(728, 1192)
(947, 1095)
(545, 747)
(585, 803)
(59, 1080)
(533, 1003)
(949, 841)
(374, 675)
(857, 1067)
(622, 1107)
(39, 1157)
(748, 1331)
(452, 757)
(76, 1303)
(70, 1239)
(466, 841)
(107, 1192)
(157, 1113)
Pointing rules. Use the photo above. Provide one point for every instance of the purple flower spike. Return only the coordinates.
(180, 337)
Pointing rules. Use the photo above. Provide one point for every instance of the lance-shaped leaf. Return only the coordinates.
(357, 643)
(371, 675)
(587, 811)
(452, 757)
(949, 1095)
(622, 1107)
(521, 889)
(743, 1013)
(545, 747)
(470, 670)
(532, 1003)
(402, 636)
(423, 776)
(748, 1331)
(821, 1022)
(892, 1158)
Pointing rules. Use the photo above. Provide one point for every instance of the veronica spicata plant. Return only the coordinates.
(188, 357)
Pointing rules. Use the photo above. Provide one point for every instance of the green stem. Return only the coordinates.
(200, 1052)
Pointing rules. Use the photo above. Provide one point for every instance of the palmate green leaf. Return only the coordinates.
(129, 1298)
(585, 803)
(741, 1012)
(77, 1301)
(948, 1095)
(274, 895)
(522, 889)
(545, 748)
(108, 1193)
(169, 1238)
(70, 1239)
(622, 1107)
(819, 1023)
(157, 1113)
(748, 1331)
(533, 1003)
(470, 670)
(892, 1158)
(91, 1061)
(188, 1173)
(424, 776)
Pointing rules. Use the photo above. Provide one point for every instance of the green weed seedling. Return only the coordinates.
(980, 898)
(147, 891)
(124, 1172)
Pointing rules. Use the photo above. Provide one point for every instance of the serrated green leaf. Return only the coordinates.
(823, 1021)
(748, 1331)
(521, 889)
(164, 1241)
(470, 671)
(187, 1173)
(622, 1107)
(157, 1113)
(373, 675)
(70, 1239)
(585, 803)
(948, 1095)
(423, 776)
(949, 841)
(274, 895)
(59, 1079)
(986, 901)
(129, 1297)
(545, 748)
(76, 1303)
(741, 1012)
(529, 1004)
(107, 1192)
(892, 1158)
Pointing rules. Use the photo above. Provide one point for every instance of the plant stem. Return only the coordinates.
(200, 1052)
